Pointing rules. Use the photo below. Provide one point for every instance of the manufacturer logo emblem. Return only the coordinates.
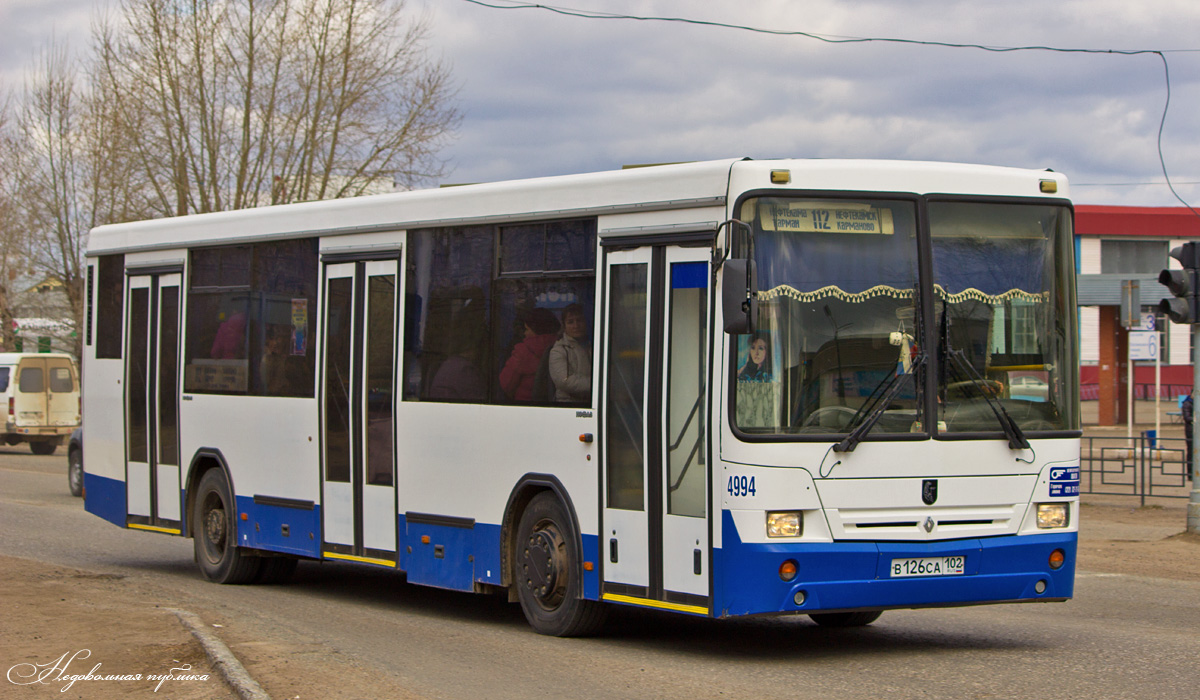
(929, 491)
(929, 524)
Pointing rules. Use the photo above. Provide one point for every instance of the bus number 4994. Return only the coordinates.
(741, 486)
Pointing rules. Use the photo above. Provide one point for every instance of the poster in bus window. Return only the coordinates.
(299, 326)
(758, 389)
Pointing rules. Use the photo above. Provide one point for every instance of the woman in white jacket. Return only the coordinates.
(571, 359)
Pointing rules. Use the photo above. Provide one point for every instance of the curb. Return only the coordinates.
(222, 658)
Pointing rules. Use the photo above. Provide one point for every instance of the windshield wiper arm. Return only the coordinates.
(898, 381)
(1012, 431)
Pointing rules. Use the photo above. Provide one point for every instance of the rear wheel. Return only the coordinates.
(215, 535)
(75, 472)
(43, 447)
(846, 619)
(546, 572)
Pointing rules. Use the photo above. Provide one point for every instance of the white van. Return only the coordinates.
(41, 396)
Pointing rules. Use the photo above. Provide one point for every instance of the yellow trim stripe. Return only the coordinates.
(696, 609)
(364, 560)
(152, 528)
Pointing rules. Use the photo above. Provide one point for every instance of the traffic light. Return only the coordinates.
(1184, 284)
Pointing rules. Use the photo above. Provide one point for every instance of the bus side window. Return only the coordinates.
(110, 291)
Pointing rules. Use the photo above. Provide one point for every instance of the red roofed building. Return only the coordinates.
(1114, 244)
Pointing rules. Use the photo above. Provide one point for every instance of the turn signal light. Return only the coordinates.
(1057, 559)
(787, 570)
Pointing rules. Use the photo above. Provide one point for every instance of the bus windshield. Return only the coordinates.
(1005, 311)
(838, 315)
(840, 341)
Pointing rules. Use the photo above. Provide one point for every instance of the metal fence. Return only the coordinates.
(1141, 392)
(1142, 467)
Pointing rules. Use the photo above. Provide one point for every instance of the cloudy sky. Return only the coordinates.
(543, 93)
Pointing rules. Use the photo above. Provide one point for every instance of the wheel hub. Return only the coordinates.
(214, 526)
(544, 567)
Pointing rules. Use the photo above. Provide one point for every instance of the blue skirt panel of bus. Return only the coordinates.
(850, 575)
(457, 557)
(288, 530)
(105, 498)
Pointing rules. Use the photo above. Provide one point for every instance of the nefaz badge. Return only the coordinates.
(1064, 481)
(929, 491)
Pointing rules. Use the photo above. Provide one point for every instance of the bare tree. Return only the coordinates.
(52, 175)
(236, 103)
(70, 173)
(11, 240)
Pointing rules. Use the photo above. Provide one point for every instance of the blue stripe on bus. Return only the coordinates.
(691, 275)
(470, 555)
(105, 498)
(849, 575)
(263, 528)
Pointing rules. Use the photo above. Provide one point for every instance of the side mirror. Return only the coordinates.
(739, 282)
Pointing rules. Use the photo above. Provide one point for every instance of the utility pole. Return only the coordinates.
(1185, 308)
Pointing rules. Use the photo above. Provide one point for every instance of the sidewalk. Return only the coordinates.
(124, 633)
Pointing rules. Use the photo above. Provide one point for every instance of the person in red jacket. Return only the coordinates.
(541, 332)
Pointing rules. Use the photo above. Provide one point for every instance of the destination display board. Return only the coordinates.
(825, 217)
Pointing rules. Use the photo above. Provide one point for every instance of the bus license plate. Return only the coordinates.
(929, 566)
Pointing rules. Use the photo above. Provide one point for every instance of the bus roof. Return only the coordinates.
(650, 188)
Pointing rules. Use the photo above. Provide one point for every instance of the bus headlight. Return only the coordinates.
(788, 523)
(1053, 515)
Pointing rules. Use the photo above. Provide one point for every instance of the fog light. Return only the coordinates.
(799, 599)
(1053, 515)
(1040, 587)
(1057, 559)
(787, 570)
(785, 524)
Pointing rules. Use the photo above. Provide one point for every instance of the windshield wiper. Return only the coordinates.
(897, 382)
(1016, 438)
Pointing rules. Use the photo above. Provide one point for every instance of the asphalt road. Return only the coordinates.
(1121, 637)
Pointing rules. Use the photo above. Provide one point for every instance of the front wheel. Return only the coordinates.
(215, 536)
(846, 619)
(547, 574)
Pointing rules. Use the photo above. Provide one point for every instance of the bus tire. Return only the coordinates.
(846, 619)
(215, 536)
(75, 471)
(276, 570)
(546, 572)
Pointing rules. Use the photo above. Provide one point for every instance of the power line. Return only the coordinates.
(1130, 184)
(836, 39)
(827, 38)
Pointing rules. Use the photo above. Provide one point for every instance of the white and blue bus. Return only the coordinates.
(725, 388)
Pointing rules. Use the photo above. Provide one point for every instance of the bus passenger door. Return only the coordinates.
(152, 480)
(357, 417)
(655, 541)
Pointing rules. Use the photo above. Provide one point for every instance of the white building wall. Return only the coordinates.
(1089, 335)
(1089, 256)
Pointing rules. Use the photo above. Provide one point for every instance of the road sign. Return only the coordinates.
(1143, 345)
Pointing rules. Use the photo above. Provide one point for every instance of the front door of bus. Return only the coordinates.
(655, 542)
(153, 496)
(357, 398)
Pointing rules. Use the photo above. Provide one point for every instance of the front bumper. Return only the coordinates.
(851, 575)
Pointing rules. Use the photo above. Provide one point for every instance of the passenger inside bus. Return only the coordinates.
(541, 332)
(570, 359)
